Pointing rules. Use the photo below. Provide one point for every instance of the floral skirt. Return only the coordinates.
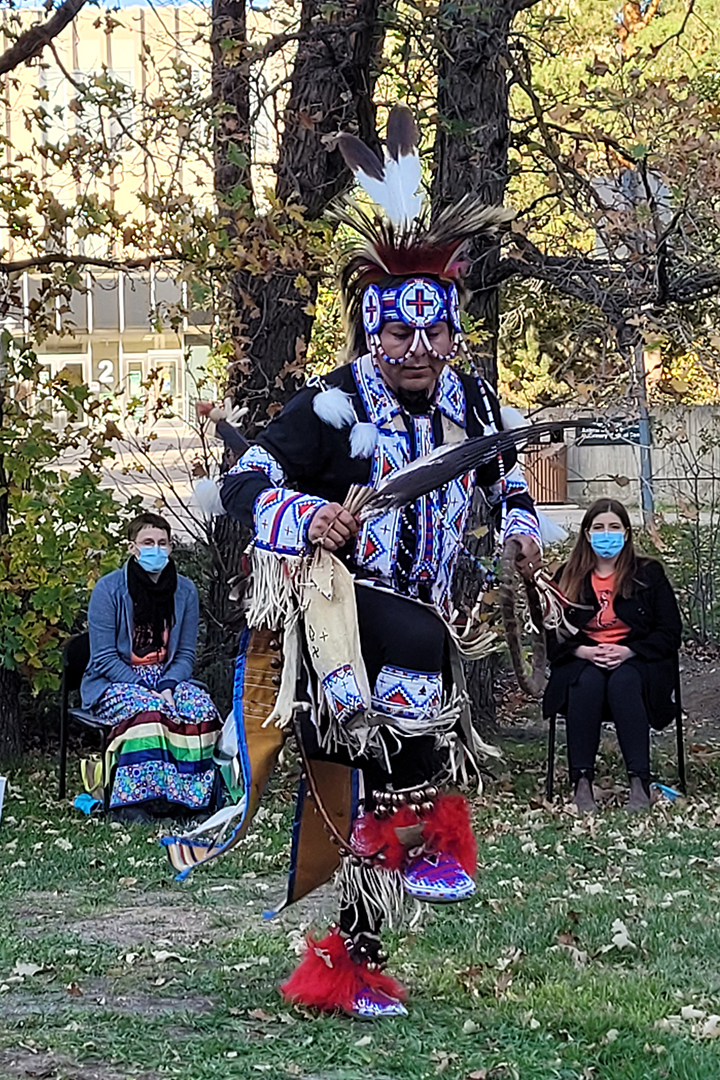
(155, 751)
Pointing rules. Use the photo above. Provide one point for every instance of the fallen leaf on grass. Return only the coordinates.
(365, 1041)
(161, 955)
(470, 1027)
(260, 1014)
(620, 937)
(26, 969)
(503, 982)
(578, 957)
(479, 1074)
(73, 989)
(711, 1028)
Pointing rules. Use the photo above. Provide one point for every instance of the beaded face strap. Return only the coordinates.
(419, 303)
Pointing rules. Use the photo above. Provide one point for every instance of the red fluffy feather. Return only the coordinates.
(448, 829)
(328, 979)
(373, 834)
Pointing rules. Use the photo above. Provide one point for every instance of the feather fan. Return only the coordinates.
(448, 462)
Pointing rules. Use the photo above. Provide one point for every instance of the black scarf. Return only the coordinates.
(153, 606)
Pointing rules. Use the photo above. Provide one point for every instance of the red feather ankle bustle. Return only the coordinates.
(328, 979)
(448, 830)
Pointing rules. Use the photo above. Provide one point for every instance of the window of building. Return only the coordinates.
(105, 301)
(54, 88)
(137, 302)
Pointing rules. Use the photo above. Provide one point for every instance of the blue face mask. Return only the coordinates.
(153, 559)
(607, 544)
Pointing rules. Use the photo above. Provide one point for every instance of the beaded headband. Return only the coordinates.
(418, 302)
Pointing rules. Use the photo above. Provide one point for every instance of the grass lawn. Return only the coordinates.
(591, 951)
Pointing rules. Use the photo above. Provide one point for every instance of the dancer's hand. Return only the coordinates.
(332, 526)
(528, 558)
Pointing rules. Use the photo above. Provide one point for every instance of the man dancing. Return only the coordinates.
(387, 710)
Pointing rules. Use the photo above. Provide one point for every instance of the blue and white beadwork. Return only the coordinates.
(405, 694)
(343, 694)
(437, 879)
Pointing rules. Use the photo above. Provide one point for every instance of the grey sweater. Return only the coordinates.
(110, 622)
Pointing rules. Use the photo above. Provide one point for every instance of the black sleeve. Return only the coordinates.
(298, 441)
(239, 491)
(231, 437)
(664, 639)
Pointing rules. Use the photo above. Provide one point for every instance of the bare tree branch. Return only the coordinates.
(34, 40)
(37, 262)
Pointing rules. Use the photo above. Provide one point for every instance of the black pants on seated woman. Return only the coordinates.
(619, 663)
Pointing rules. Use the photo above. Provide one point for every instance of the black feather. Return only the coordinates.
(402, 133)
(359, 156)
(447, 463)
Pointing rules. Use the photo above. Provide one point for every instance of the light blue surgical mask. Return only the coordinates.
(153, 559)
(607, 544)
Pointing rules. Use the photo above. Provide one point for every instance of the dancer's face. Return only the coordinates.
(422, 369)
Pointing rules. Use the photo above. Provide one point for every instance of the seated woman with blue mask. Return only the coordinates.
(620, 663)
(143, 623)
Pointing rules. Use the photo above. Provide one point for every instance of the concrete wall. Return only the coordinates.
(685, 462)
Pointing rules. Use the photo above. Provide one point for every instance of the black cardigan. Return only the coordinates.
(655, 627)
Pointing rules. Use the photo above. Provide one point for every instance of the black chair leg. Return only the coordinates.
(63, 739)
(106, 793)
(679, 730)
(550, 781)
(681, 753)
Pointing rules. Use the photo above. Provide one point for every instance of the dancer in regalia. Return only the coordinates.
(362, 599)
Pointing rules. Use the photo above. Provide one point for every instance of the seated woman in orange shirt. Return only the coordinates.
(620, 664)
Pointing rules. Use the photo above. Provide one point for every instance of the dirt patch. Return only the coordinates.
(22, 1062)
(149, 920)
(700, 685)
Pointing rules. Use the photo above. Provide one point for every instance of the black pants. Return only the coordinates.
(597, 692)
(397, 632)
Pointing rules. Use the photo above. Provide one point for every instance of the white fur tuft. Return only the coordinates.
(550, 531)
(512, 418)
(206, 496)
(363, 440)
(334, 407)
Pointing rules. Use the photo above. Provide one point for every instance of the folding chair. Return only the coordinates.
(550, 779)
(76, 656)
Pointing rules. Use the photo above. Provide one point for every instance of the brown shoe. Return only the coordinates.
(639, 798)
(583, 798)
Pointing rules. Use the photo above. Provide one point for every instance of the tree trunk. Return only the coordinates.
(231, 97)
(471, 155)
(221, 618)
(10, 717)
(331, 90)
(471, 146)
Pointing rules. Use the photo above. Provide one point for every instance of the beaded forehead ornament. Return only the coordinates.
(419, 303)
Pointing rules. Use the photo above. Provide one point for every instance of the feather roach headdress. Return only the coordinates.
(405, 266)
